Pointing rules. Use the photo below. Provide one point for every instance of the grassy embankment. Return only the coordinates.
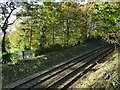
(23, 68)
(104, 76)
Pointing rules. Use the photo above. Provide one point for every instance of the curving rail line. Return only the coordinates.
(65, 74)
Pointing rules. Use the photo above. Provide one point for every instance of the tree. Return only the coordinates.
(7, 10)
(71, 18)
(107, 15)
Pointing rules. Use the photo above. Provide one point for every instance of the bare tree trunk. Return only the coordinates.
(3, 43)
(5, 55)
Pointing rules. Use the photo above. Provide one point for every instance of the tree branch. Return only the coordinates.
(13, 21)
(4, 16)
(11, 7)
(6, 21)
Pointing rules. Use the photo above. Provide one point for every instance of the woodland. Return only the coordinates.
(43, 27)
(37, 35)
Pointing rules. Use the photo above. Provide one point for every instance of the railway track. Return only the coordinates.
(65, 74)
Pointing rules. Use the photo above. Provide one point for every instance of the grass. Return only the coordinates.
(105, 77)
(23, 68)
(113, 83)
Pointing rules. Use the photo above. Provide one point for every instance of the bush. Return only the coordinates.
(93, 39)
(17, 55)
(53, 47)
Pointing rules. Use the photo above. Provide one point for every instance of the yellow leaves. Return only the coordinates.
(86, 7)
(67, 7)
(69, 10)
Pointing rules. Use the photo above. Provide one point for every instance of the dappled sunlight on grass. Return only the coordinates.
(103, 76)
(23, 68)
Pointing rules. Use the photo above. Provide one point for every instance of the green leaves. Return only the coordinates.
(64, 23)
(107, 14)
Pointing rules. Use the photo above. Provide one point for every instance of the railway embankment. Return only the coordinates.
(105, 75)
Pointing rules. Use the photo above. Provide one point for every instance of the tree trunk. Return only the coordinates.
(30, 36)
(53, 37)
(67, 32)
(5, 55)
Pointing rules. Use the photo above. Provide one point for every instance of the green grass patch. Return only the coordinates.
(113, 82)
(23, 68)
